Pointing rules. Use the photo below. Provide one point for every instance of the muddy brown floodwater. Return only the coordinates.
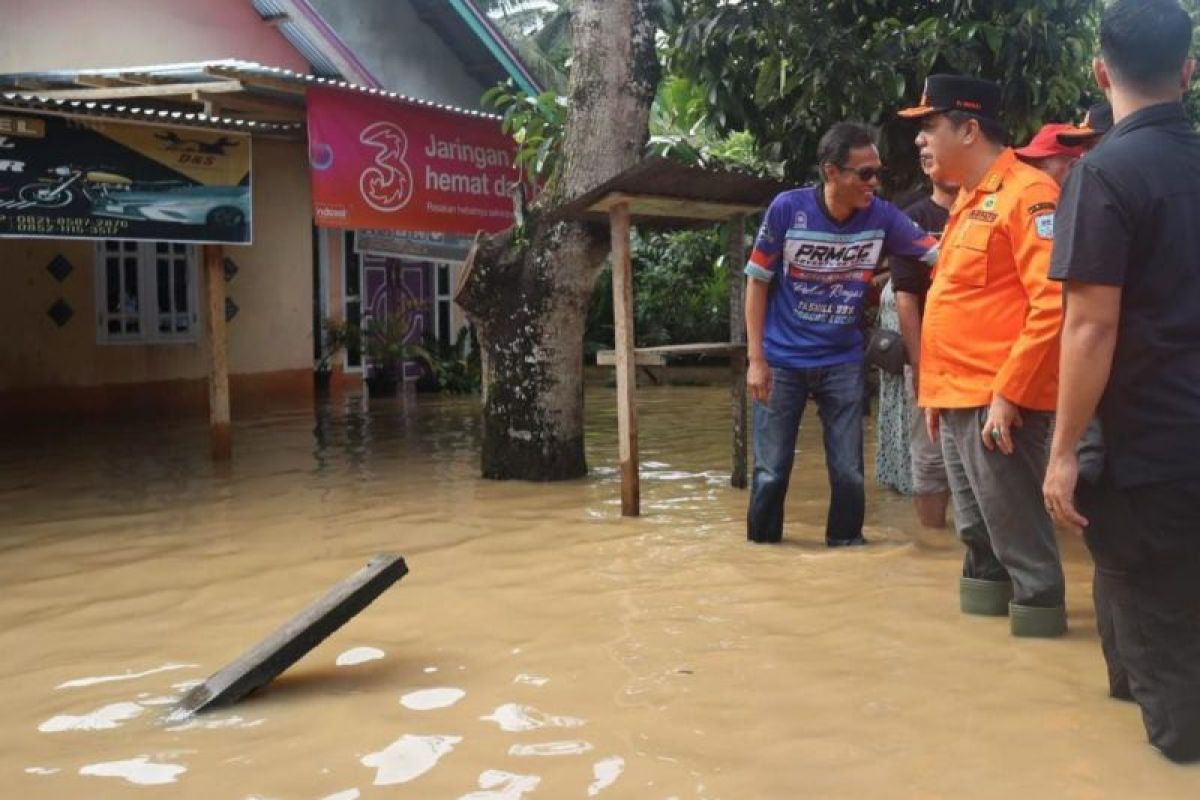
(542, 647)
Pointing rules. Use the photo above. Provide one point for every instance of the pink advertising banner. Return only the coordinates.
(384, 164)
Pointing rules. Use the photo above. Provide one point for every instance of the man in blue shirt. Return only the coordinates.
(809, 274)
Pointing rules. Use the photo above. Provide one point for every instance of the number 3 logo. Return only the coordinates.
(388, 185)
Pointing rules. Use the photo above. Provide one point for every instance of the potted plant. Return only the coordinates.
(386, 347)
(338, 336)
(455, 367)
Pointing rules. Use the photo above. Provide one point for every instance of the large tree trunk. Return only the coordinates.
(528, 290)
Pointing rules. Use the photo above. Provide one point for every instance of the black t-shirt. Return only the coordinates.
(1130, 217)
(908, 274)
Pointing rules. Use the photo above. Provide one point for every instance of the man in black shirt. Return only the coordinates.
(910, 282)
(1127, 244)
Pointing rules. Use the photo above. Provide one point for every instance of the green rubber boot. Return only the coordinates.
(1037, 623)
(984, 598)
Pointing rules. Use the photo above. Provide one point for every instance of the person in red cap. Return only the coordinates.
(1095, 126)
(1047, 152)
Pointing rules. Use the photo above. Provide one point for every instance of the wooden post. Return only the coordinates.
(737, 336)
(622, 272)
(218, 353)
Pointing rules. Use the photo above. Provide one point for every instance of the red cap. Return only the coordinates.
(1046, 144)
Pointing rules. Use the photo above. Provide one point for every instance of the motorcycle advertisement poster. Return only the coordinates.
(77, 178)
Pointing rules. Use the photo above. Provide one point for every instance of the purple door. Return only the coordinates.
(403, 288)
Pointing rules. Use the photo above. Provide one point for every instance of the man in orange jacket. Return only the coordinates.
(989, 355)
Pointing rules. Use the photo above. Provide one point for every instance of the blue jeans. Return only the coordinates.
(838, 391)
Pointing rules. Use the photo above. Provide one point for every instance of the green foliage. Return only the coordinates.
(339, 336)
(681, 128)
(536, 123)
(681, 291)
(786, 71)
(1192, 99)
(384, 342)
(456, 367)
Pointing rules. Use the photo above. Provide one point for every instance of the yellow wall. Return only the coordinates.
(273, 287)
(271, 335)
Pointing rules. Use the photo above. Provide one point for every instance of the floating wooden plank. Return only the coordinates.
(627, 428)
(269, 658)
(737, 335)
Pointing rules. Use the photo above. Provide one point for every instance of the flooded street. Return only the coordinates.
(542, 647)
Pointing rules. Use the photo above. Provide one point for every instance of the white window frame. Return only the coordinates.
(350, 253)
(147, 311)
(447, 298)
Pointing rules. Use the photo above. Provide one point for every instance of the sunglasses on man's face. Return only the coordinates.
(866, 174)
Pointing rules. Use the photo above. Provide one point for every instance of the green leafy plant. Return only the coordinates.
(456, 367)
(536, 123)
(338, 336)
(681, 291)
(785, 72)
(384, 341)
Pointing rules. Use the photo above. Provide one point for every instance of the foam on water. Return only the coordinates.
(497, 785)
(359, 655)
(531, 680)
(550, 749)
(194, 723)
(432, 699)
(127, 676)
(514, 718)
(102, 719)
(409, 757)
(349, 794)
(606, 772)
(141, 771)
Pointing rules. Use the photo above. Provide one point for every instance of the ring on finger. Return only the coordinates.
(997, 434)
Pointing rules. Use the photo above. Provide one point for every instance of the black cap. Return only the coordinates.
(1097, 122)
(957, 93)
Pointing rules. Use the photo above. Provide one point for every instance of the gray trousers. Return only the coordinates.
(998, 506)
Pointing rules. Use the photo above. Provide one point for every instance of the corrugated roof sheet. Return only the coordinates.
(200, 72)
(133, 111)
(664, 178)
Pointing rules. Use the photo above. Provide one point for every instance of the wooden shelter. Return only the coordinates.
(660, 193)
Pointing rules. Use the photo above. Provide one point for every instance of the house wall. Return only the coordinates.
(47, 370)
(408, 57)
(43, 35)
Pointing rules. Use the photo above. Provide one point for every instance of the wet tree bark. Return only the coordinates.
(527, 290)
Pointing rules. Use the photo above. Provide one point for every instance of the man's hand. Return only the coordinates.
(1002, 417)
(758, 380)
(1062, 476)
(933, 424)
